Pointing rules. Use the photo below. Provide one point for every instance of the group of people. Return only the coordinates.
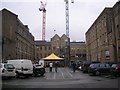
(56, 66)
(51, 66)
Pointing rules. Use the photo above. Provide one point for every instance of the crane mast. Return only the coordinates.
(67, 62)
(42, 8)
(67, 17)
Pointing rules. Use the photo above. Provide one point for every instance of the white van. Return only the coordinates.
(7, 70)
(23, 67)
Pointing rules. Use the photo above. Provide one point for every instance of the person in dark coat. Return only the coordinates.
(74, 67)
(56, 66)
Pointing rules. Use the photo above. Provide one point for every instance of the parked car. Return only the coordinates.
(86, 64)
(23, 67)
(115, 69)
(99, 68)
(7, 70)
(113, 62)
(38, 70)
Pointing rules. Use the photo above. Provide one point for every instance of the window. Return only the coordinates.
(45, 48)
(45, 55)
(107, 54)
(49, 48)
(118, 31)
(109, 24)
(54, 48)
(41, 55)
(41, 48)
(37, 48)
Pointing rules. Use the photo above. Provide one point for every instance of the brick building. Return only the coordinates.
(116, 20)
(77, 51)
(59, 46)
(102, 38)
(43, 49)
(17, 41)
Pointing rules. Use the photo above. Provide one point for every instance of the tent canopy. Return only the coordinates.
(53, 57)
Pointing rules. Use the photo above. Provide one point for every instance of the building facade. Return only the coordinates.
(77, 51)
(17, 41)
(101, 42)
(43, 49)
(60, 46)
(55, 45)
(116, 15)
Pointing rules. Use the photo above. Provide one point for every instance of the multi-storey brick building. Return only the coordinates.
(43, 49)
(55, 44)
(59, 46)
(116, 15)
(77, 51)
(101, 42)
(17, 41)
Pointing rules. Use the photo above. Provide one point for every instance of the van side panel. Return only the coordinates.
(23, 66)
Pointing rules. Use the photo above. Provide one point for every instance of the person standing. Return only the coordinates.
(74, 67)
(51, 65)
(56, 66)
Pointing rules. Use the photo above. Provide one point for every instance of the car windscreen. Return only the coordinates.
(38, 66)
(94, 65)
(114, 65)
(9, 66)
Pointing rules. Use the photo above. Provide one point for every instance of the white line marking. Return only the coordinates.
(62, 74)
(69, 73)
(54, 75)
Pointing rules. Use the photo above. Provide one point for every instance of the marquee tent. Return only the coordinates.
(53, 57)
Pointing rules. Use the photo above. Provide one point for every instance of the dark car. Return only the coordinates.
(99, 68)
(86, 64)
(115, 69)
(113, 62)
(38, 70)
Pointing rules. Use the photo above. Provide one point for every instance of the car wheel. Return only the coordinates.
(27, 76)
(9, 77)
(42, 74)
(97, 73)
(35, 75)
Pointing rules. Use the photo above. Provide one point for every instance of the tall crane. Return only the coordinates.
(67, 62)
(42, 8)
(67, 16)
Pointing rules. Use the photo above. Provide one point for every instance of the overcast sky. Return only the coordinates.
(82, 14)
